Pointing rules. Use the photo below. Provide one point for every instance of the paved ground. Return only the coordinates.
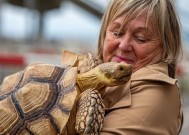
(185, 129)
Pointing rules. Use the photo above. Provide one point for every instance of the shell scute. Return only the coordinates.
(42, 126)
(37, 98)
(10, 82)
(25, 132)
(68, 99)
(34, 96)
(60, 118)
(42, 73)
(9, 116)
(70, 77)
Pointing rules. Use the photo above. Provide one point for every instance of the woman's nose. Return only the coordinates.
(125, 43)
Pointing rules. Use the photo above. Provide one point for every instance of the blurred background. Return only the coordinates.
(38, 31)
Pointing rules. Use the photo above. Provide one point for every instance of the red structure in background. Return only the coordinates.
(10, 64)
(12, 59)
(179, 70)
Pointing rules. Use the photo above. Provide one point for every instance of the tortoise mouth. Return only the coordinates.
(123, 78)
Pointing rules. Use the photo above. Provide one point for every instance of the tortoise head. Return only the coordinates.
(106, 74)
(113, 73)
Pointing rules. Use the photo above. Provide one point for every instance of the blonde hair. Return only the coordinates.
(160, 13)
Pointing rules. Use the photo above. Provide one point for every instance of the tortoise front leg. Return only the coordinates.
(90, 113)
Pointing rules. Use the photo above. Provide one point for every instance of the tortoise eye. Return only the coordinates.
(121, 68)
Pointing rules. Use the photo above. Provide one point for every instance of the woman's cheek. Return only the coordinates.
(105, 54)
(108, 51)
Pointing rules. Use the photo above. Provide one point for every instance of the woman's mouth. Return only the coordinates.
(123, 59)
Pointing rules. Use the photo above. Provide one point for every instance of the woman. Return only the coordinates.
(145, 34)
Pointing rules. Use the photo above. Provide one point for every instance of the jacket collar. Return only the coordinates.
(155, 72)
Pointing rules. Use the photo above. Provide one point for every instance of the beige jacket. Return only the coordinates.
(149, 104)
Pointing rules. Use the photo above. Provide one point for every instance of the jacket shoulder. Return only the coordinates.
(156, 72)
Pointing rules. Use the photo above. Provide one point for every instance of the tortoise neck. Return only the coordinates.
(87, 81)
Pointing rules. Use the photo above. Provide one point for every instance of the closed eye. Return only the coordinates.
(117, 33)
(140, 39)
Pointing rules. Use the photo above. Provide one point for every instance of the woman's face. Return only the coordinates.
(135, 44)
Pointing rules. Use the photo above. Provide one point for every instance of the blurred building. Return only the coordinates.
(38, 30)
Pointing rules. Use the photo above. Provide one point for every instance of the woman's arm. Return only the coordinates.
(154, 110)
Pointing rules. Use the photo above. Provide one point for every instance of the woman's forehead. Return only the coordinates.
(140, 23)
(141, 18)
(122, 21)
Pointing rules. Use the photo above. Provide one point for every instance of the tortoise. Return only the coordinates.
(50, 99)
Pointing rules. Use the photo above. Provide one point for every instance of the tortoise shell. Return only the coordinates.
(37, 100)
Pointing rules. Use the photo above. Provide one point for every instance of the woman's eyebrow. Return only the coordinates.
(143, 29)
(115, 25)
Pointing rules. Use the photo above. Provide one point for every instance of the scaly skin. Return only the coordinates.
(90, 108)
(104, 75)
